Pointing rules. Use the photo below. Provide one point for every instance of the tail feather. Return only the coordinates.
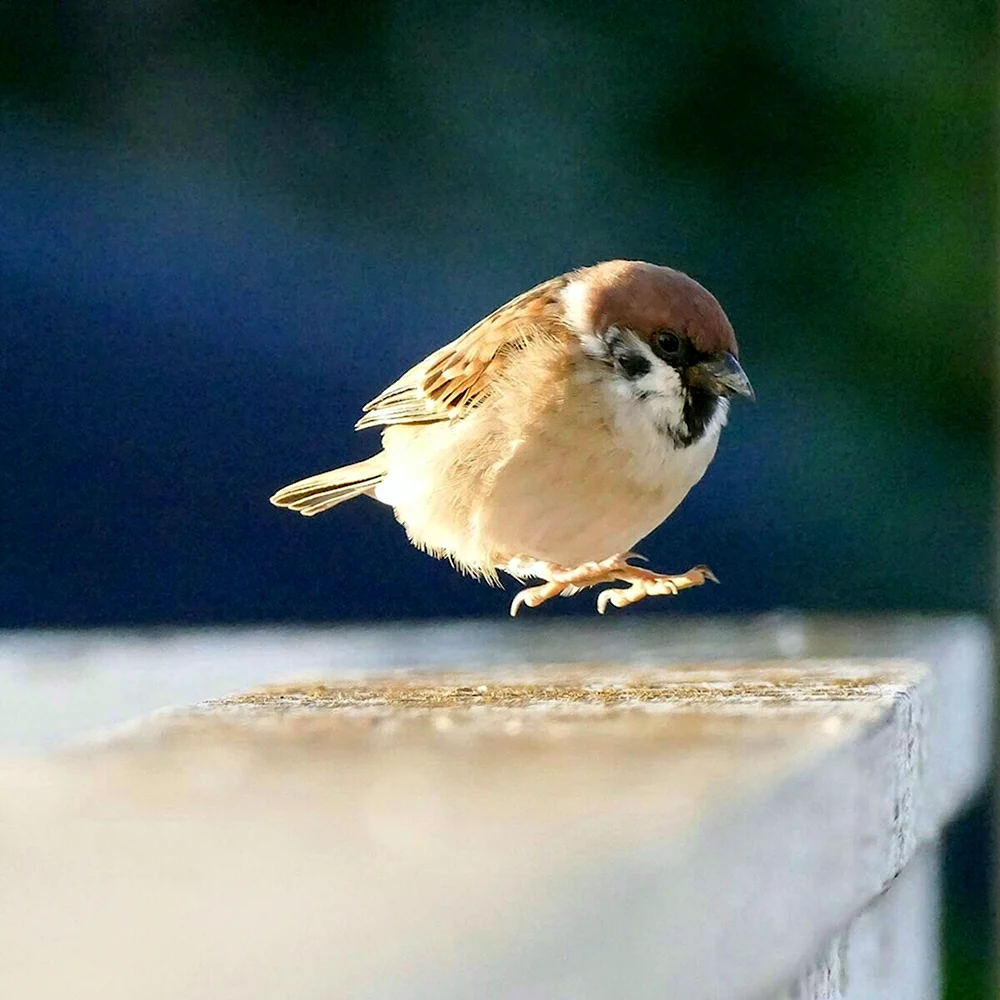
(318, 493)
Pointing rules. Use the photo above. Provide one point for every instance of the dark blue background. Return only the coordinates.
(173, 353)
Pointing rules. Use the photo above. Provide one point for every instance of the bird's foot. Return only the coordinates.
(564, 582)
(642, 582)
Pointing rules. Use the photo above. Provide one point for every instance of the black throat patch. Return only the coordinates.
(699, 409)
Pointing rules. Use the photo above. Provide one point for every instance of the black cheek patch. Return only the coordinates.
(632, 364)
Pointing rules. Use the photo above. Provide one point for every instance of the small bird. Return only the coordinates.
(555, 433)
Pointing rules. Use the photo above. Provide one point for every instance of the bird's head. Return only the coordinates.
(662, 339)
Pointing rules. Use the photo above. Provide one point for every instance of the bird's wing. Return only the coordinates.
(456, 378)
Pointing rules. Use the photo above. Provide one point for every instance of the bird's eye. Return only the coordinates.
(667, 344)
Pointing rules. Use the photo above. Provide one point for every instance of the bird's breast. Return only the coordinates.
(562, 470)
(588, 478)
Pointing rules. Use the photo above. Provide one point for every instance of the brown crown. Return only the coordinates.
(647, 298)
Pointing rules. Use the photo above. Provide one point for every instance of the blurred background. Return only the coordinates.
(224, 227)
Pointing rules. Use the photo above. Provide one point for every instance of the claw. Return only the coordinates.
(533, 596)
(605, 597)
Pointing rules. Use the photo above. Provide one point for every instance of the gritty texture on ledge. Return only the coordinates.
(596, 686)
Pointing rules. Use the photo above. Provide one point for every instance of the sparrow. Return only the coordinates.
(557, 432)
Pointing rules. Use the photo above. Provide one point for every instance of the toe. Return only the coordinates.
(604, 598)
(534, 596)
(620, 597)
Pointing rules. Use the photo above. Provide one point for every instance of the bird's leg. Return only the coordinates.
(563, 580)
(642, 582)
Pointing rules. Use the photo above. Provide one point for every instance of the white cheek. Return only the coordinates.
(659, 393)
(664, 392)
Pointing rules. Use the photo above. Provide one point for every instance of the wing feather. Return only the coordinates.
(455, 378)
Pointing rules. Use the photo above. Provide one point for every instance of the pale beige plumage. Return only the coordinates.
(520, 446)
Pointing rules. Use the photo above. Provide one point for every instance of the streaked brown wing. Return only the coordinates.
(454, 378)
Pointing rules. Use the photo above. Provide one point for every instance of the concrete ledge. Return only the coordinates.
(890, 950)
(688, 830)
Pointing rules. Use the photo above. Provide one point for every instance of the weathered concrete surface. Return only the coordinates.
(889, 951)
(564, 832)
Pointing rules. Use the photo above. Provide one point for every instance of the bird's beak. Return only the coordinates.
(722, 375)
